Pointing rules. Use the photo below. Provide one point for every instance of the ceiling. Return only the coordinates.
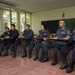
(38, 5)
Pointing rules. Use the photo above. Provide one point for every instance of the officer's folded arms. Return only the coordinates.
(7, 37)
(2, 39)
(20, 36)
(44, 39)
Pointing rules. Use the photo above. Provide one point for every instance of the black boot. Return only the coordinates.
(1, 52)
(70, 68)
(46, 58)
(25, 55)
(14, 55)
(64, 65)
(5, 53)
(30, 55)
(42, 57)
(36, 57)
(13, 51)
(54, 62)
(64, 60)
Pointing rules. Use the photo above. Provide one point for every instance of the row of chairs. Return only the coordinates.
(19, 50)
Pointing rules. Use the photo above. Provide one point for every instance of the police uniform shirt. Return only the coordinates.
(14, 34)
(5, 34)
(73, 35)
(28, 34)
(44, 34)
(63, 33)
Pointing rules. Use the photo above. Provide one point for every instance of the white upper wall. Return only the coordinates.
(1, 23)
(37, 5)
(50, 15)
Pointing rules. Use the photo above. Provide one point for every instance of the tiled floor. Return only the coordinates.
(25, 66)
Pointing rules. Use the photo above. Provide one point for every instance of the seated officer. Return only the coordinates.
(72, 63)
(13, 35)
(62, 33)
(43, 43)
(3, 41)
(28, 34)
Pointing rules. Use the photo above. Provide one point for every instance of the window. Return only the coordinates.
(27, 18)
(6, 18)
(22, 21)
(14, 18)
(11, 16)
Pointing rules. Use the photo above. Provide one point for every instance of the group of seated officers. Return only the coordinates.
(64, 41)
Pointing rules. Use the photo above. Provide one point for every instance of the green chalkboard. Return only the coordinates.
(70, 24)
(53, 25)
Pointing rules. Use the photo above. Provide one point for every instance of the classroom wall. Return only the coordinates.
(37, 17)
(51, 15)
(1, 23)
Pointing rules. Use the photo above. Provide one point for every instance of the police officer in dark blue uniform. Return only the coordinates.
(13, 35)
(3, 41)
(62, 33)
(43, 43)
(72, 63)
(28, 34)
